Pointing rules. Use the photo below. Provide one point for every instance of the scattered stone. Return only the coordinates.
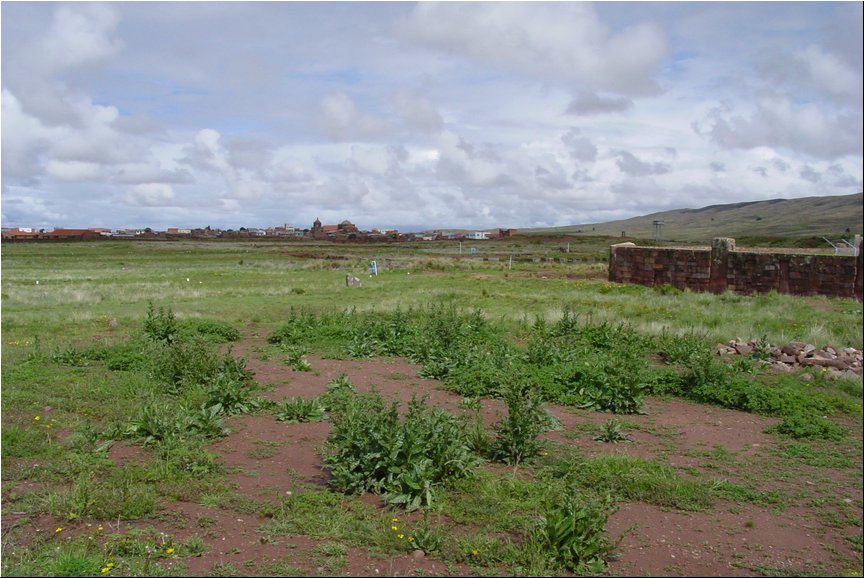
(793, 348)
(795, 354)
(418, 554)
(806, 377)
(352, 281)
(743, 349)
(112, 324)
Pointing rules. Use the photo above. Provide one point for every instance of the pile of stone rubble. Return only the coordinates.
(845, 362)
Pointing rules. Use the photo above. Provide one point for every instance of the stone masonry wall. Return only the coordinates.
(681, 268)
(722, 267)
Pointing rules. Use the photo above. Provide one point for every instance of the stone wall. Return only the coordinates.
(723, 267)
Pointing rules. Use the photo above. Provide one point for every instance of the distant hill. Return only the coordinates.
(810, 216)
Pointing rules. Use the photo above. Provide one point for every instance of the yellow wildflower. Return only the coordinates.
(474, 552)
(400, 536)
(58, 530)
(410, 538)
(37, 418)
(169, 551)
(394, 528)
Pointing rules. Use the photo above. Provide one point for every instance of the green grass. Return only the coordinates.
(116, 280)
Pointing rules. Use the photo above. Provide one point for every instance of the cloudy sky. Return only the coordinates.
(421, 115)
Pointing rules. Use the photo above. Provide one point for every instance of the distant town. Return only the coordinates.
(345, 231)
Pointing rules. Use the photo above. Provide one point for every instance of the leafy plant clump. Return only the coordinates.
(160, 325)
(517, 435)
(610, 432)
(572, 532)
(806, 426)
(296, 358)
(371, 449)
(299, 410)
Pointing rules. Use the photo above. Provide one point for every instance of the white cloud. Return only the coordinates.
(207, 153)
(341, 120)
(151, 195)
(417, 112)
(579, 147)
(562, 43)
(776, 122)
(635, 167)
(431, 114)
(72, 170)
(80, 35)
(830, 72)
(464, 164)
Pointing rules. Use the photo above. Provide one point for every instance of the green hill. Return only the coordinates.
(831, 217)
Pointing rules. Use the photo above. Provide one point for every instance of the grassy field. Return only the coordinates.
(127, 345)
(61, 292)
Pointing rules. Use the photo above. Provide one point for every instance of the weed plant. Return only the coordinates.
(572, 532)
(516, 436)
(371, 449)
(214, 330)
(610, 432)
(299, 410)
(296, 357)
(807, 426)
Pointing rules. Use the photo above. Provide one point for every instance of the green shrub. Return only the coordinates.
(160, 325)
(516, 436)
(299, 410)
(485, 377)
(296, 357)
(231, 397)
(132, 355)
(340, 392)
(477, 437)
(213, 330)
(808, 426)
(610, 432)
(184, 362)
(680, 349)
(371, 449)
(572, 532)
(163, 420)
(71, 356)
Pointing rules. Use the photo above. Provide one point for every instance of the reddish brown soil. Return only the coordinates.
(269, 459)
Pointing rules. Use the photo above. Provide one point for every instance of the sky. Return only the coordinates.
(421, 115)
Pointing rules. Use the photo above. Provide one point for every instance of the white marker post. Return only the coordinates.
(374, 268)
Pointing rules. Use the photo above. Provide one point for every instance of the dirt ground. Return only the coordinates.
(729, 539)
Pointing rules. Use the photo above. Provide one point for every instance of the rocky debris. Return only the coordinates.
(845, 362)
